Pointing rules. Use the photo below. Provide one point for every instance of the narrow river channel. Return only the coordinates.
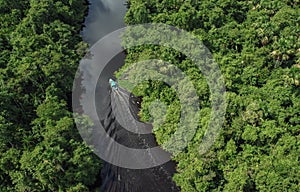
(105, 16)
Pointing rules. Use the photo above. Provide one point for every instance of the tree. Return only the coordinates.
(257, 48)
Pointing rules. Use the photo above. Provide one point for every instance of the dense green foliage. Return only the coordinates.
(40, 148)
(257, 46)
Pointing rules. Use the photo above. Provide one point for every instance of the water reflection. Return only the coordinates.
(104, 17)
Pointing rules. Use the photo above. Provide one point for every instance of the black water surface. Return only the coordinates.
(104, 17)
(116, 178)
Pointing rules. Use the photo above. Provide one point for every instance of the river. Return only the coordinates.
(105, 16)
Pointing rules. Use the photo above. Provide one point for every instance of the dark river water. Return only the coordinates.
(105, 16)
